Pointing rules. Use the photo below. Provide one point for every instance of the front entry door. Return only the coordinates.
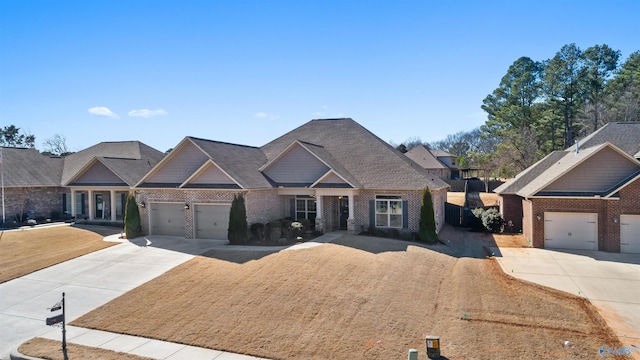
(99, 206)
(344, 212)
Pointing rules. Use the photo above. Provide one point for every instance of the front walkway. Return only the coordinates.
(610, 281)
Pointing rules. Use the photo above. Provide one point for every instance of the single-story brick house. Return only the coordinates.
(333, 172)
(91, 184)
(586, 197)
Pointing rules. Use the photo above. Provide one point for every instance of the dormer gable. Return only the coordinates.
(331, 180)
(179, 165)
(601, 171)
(95, 173)
(210, 176)
(295, 165)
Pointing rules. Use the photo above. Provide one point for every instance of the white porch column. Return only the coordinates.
(73, 203)
(91, 205)
(318, 206)
(112, 202)
(351, 208)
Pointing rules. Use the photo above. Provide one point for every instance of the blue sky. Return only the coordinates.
(248, 71)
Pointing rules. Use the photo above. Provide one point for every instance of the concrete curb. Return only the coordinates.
(17, 355)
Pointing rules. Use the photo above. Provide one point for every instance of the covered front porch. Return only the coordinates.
(97, 204)
(328, 209)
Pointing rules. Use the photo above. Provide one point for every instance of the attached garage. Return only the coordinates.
(630, 234)
(211, 221)
(571, 230)
(167, 219)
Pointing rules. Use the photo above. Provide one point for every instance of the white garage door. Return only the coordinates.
(571, 230)
(167, 219)
(630, 234)
(212, 221)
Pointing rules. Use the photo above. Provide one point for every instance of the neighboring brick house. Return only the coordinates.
(586, 197)
(91, 184)
(333, 172)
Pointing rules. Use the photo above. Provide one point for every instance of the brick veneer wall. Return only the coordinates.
(608, 230)
(414, 199)
(511, 209)
(262, 205)
(42, 200)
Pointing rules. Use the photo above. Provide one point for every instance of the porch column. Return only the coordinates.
(351, 220)
(112, 202)
(319, 219)
(91, 205)
(351, 201)
(73, 203)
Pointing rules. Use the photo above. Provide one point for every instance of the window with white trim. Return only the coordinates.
(305, 208)
(389, 211)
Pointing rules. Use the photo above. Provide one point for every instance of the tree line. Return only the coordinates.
(13, 136)
(543, 106)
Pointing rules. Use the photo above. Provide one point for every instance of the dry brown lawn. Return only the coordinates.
(25, 251)
(52, 350)
(487, 199)
(359, 298)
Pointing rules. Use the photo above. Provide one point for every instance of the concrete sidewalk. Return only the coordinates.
(154, 349)
(610, 281)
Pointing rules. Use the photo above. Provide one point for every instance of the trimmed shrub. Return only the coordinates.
(275, 230)
(237, 231)
(427, 219)
(132, 224)
(491, 219)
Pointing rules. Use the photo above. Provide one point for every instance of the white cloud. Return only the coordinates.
(102, 111)
(146, 113)
(263, 115)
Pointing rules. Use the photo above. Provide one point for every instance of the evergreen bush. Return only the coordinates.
(132, 223)
(427, 219)
(237, 231)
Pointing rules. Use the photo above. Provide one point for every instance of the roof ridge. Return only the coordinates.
(221, 142)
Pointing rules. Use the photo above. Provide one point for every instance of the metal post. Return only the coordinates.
(2, 176)
(413, 354)
(64, 332)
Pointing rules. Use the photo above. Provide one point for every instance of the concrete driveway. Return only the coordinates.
(88, 282)
(610, 281)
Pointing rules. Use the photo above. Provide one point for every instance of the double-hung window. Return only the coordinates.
(389, 211)
(305, 208)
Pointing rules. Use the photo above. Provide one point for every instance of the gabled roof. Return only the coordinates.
(541, 175)
(370, 161)
(440, 153)
(425, 157)
(24, 167)
(240, 162)
(624, 135)
(128, 160)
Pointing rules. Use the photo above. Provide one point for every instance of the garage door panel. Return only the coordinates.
(630, 234)
(212, 221)
(167, 219)
(571, 230)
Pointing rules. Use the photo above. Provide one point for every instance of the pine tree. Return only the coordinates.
(427, 219)
(132, 224)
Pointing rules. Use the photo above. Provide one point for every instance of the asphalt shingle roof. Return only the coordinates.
(368, 159)
(425, 158)
(27, 167)
(241, 162)
(129, 160)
